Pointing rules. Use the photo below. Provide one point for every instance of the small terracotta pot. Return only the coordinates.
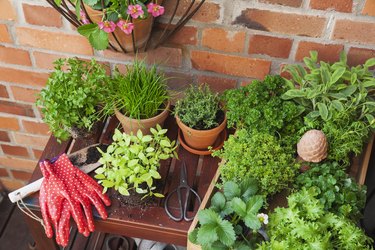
(200, 139)
(142, 31)
(132, 125)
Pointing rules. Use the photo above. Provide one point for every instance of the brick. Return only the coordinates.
(4, 136)
(3, 92)
(164, 56)
(45, 60)
(56, 41)
(208, 12)
(30, 140)
(11, 184)
(362, 32)
(23, 76)
(285, 23)
(230, 65)
(21, 175)
(178, 81)
(326, 52)
(291, 3)
(40, 15)
(3, 172)
(15, 150)
(4, 34)
(24, 94)
(36, 127)
(18, 163)
(337, 5)
(369, 8)
(271, 46)
(16, 108)
(357, 56)
(7, 11)
(37, 153)
(10, 123)
(14, 56)
(217, 84)
(224, 40)
(187, 35)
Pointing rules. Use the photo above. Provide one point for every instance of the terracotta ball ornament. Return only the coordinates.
(313, 146)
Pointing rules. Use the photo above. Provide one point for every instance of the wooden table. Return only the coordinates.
(148, 222)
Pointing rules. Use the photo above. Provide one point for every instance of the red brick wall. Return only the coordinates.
(227, 43)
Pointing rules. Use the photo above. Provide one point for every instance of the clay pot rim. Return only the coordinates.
(200, 132)
(166, 109)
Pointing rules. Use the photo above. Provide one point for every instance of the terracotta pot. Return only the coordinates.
(132, 125)
(142, 31)
(200, 139)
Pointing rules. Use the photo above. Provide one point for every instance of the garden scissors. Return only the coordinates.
(182, 203)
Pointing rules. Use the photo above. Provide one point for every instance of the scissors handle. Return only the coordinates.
(183, 206)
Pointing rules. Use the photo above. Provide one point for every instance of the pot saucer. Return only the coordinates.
(217, 145)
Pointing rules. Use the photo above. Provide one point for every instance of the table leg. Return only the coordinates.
(41, 240)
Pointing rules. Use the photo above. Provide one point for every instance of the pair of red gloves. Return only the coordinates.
(64, 192)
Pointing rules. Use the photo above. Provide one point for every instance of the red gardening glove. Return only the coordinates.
(82, 188)
(57, 205)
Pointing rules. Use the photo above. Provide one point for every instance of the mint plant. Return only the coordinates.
(232, 221)
(140, 93)
(336, 190)
(199, 108)
(304, 224)
(132, 161)
(73, 96)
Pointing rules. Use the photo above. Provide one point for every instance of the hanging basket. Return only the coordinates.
(142, 38)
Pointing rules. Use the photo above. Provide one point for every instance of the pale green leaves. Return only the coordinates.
(131, 161)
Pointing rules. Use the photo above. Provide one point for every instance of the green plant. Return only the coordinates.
(140, 93)
(132, 161)
(337, 192)
(257, 155)
(304, 224)
(72, 96)
(199, 108)
(232, 220)
(338, 100)
(259, 107)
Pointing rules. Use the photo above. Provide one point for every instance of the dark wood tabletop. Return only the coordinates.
(148, 221)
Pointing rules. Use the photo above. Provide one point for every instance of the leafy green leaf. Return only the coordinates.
(337, 74)
(225, 232)
(218, 200)
(99, 39)
(165, 143)
(370, 62)
(207, 234)
(293, 93)
(239, 206)
(323, 110)
(337, 105)
(207, 216)
(254, 204)
(231, 190)
(252, 221)
(88, 29)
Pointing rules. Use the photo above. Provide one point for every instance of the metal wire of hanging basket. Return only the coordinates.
(173, 25)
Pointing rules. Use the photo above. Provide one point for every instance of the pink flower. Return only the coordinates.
(83, 16)
(135, 10)
(155, 9)
(125, 26)
(107, 26)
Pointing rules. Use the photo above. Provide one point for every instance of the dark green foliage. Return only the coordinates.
(72, 95)
(226, 224)
(259, 107)
(257, 155)
(338, 193)
(140, 93)
(304, 224)
(199, 108)
(338, 100)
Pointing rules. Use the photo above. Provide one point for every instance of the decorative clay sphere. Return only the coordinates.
(313, 146)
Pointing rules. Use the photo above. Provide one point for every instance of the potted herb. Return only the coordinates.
(139, 98)
(131, 162)
(233, 220)
(200, 117)
(115, 20)
(338, 100)
(71, 101)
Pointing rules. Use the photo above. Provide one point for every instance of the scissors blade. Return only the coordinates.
(183, 175)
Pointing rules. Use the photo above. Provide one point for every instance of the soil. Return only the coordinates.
(92, 155)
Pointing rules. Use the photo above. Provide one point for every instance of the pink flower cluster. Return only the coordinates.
(135, 11)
